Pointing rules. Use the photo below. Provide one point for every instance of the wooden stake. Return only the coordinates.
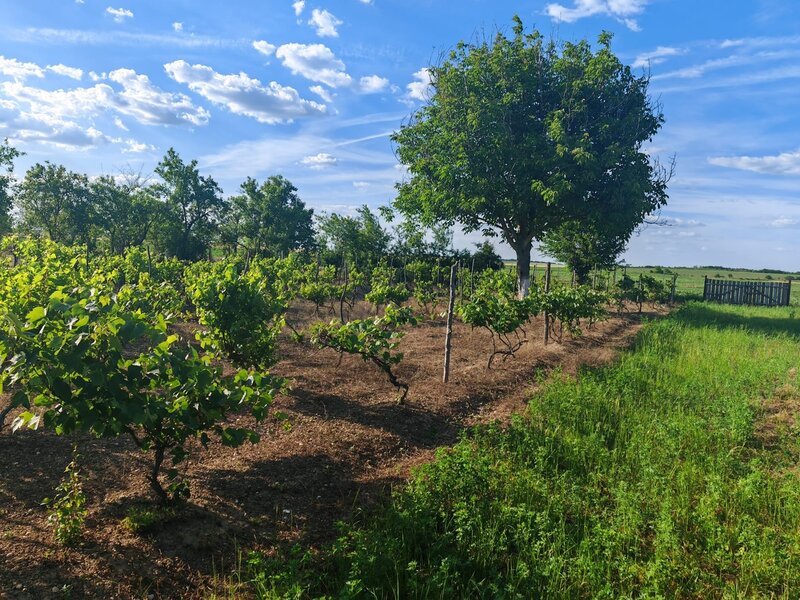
(449, 334)
(546, 316)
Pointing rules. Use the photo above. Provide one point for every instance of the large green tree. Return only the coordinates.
(194, 208)
(269, 219)
(124, 212)
(361, 239)
(521, 135)
(57, 202)
(7, 156)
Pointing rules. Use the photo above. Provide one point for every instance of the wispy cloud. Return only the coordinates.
(657, 56)
(87, 37)
(787, 163)
(622, 10)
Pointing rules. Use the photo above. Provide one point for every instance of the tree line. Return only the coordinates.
(183, 214)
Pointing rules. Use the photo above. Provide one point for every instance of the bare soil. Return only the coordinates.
(344, 443)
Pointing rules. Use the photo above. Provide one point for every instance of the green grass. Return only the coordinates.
(647, 479)
(689, 284)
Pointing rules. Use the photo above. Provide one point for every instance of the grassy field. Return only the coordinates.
(672, 474)
(689, 283)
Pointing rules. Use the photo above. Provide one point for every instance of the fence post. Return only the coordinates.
(546, 316)
(449, 334)
(705, 287)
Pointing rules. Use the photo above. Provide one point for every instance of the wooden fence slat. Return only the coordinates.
(757, 293)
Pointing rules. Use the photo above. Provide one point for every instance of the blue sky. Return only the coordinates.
(312, 90)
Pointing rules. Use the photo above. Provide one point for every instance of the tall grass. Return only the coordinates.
(642, 480)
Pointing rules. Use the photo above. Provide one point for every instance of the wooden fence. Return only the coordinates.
(755, 293)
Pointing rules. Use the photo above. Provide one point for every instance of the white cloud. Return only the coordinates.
(319, 161)
(264, 48)
(11, 67)
(97, 76)
(151, 105)
(361, 185)
(787, 163)
(678, 222)
(366, 1)
(134, 147)
(66, 71)
(622, 10)
(242, 95)
(322, 93)
(657, 56)
(372, 84)
(118, 122)
(315, 62)
(119, 14)
(59, 110)
(419, 89)
(177, 26)
(784, 222)
(43, 35)
(325, 23)
(299, 7)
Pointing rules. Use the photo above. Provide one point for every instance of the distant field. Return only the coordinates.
(690, 279)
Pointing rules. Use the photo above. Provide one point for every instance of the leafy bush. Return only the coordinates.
(374, 339)
(67, 509)
(383, 290)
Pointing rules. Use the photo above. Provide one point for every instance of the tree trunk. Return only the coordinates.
(523, 268)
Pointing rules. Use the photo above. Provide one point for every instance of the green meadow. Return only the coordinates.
(671, 474)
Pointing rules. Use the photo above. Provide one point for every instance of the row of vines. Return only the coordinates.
(92, 346)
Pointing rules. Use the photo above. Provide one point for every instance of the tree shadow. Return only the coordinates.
(710, 315)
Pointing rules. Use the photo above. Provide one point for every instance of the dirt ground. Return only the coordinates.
(344, 444)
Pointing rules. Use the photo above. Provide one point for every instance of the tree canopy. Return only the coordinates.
(521, 135)
(269, 219)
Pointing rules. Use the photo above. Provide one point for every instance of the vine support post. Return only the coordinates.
(641, 293)
(472, 279)
(672, 290)
(546, 316)
(449, 334)
(344, 292)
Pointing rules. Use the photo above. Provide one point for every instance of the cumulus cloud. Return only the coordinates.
(319, 161)
(325, 23)
(65, 117)
(372, 84)
(787, 163)
(119, 14)
(622, 10)
(142, 100)
(657, 56)
(11, 67)
(299, 7)
(66, 71)
(420, 87)
(177, 26)
(315, 62)
(678, 222)
(264, 48)
(243, 95)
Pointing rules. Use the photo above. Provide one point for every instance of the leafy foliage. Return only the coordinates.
(374, 339)
(383, 290)
(519, 136)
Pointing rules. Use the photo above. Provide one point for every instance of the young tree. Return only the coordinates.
(360, 239)
(7, 156)
(57, 202)
(270, 219)
(521, 135)
(583, 246)
(194, 207)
